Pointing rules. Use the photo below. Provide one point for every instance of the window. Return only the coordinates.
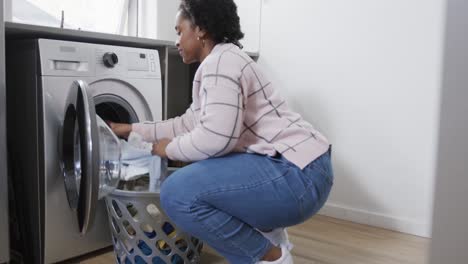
(107, 16)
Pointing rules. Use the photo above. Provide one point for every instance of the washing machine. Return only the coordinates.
(55, 89)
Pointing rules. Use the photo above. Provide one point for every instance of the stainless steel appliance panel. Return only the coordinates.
(62, 238)
(41, 77)
(4, 236)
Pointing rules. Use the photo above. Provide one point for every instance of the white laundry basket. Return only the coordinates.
(142, 233)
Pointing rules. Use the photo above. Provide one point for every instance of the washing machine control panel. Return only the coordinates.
(132, 62)
(66, 58)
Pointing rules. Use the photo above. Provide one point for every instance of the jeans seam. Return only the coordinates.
(323, 172)
(216, 233)
(302, 198)
(207, 228)
(197, 198)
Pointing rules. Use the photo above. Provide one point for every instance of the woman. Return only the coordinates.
(257, 164)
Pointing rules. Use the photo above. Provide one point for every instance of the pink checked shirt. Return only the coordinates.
(235, 109)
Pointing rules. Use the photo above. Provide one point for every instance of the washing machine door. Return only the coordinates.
(90, 155)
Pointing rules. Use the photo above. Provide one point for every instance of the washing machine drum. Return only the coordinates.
(91, 155)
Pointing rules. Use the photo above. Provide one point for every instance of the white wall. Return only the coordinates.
(156, 19)
(367, 74)
(450, 236)
(249, 12)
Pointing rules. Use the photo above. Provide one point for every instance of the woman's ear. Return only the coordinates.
(201, 34)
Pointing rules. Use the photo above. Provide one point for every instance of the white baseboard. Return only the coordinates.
(379, 220)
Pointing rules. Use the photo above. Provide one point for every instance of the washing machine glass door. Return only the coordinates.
(90, 155)
(110, 158)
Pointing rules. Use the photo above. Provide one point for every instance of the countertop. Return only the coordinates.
(18, 31)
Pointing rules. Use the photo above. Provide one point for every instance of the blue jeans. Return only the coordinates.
(223, 201)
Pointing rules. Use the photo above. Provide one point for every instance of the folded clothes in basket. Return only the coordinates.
(137, 161)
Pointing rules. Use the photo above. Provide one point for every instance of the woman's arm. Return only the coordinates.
(221, 99)
(154, 131)
(218, 131)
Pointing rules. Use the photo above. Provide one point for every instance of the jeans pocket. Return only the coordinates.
(315, 197)
(324, 166)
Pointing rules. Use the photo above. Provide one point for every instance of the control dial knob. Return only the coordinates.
(110, 59)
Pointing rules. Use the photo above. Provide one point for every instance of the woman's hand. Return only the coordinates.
(120, 129)
(159, 148)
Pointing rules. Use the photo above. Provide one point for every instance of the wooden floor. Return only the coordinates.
(327, 240)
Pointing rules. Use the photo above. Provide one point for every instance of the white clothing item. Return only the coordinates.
(131, 172)
(278, 237)
(138, 161)
(137, 142)
(286, 258)
(157, 173)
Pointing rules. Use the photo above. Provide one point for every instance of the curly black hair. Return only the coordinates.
(217, 17)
